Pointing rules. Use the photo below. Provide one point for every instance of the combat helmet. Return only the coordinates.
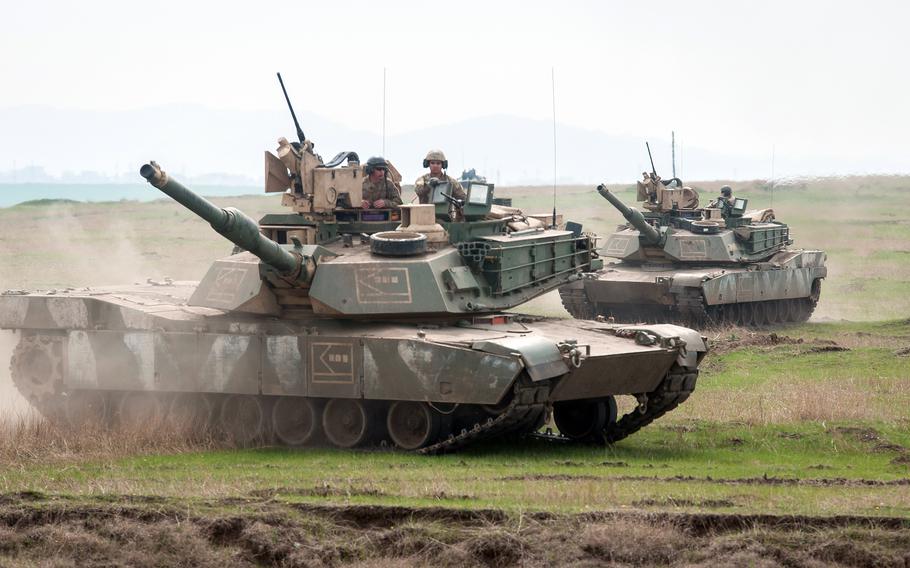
(375, 163)
(436, 155)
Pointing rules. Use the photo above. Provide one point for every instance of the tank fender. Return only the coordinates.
(542, 358)
(692, 346)
(683, 281)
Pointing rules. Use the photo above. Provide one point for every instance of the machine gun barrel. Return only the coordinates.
(633, 216)
(231, 223)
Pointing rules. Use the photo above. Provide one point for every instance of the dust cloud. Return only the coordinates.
(100, 248)
(12, 405)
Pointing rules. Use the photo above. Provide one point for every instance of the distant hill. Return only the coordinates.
(44, 144)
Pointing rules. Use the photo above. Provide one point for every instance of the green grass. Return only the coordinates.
(695, 466)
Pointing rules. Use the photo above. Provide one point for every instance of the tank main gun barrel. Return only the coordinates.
(231, 223)
(632, 215)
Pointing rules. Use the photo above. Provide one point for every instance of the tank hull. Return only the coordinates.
(141, 353)
(784, 289)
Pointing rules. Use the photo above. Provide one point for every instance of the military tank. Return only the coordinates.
(337, 330)
(700, 266)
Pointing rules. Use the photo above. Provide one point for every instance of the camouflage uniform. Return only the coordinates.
(423, 189)
(383, 189)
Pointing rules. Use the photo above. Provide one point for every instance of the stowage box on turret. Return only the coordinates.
(327, 325)
(714, 265)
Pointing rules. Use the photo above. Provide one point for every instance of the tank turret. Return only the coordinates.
(482, 267)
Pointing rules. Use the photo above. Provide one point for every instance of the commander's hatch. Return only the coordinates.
(476, 207)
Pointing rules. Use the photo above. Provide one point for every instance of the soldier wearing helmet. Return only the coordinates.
(725, 201)
(424, 185)
(379, 192)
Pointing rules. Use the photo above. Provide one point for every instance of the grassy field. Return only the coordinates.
(794, 449)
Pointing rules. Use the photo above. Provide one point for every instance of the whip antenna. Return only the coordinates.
(553, 92)
(772, 175)
(673, 150)
(383, 111)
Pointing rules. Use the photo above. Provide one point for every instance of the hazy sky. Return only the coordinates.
(814, 78)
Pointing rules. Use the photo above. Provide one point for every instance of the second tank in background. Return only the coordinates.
(705, 266)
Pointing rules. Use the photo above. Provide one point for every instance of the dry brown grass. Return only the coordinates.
(272, 534)
(783, 402)
(32, 438)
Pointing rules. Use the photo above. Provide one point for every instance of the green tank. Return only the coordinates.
(699, 266)
(350, 327)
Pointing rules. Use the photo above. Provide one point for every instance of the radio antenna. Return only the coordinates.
(673, 150)
(772, 175)
(383, 111)
(553, 92)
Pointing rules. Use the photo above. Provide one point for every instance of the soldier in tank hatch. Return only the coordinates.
(725, 201)
(437, 162)
(379, 192)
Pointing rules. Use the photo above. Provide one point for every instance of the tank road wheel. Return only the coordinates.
(584, 420)
(731, 314)
(243, 419)
(86, 408)
(801, 310)
(714, 316)
(758, 314)
(140, 410)
(346, 422)
(296, 420)
(412, 424)
(772, 312)
(37, 371)
(785, 311)
(745, 314)
(190, 413)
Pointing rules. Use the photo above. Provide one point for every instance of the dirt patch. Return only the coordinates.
(671, 502)
(769, 480)
(872, 437)
(734, 341)
(549, 477)
(376, 516)
(325, 490)
(767, 341)
(276, 534)
(903, 352)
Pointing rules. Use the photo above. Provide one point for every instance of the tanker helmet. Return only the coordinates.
(726, 191)
(436, 155)
(375, 163)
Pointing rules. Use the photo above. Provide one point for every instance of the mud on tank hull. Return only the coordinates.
(784, 289)
(140, 356)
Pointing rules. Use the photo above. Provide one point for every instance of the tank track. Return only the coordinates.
(692, 311)
(522, 415)
(676, 387)
(577, 304)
